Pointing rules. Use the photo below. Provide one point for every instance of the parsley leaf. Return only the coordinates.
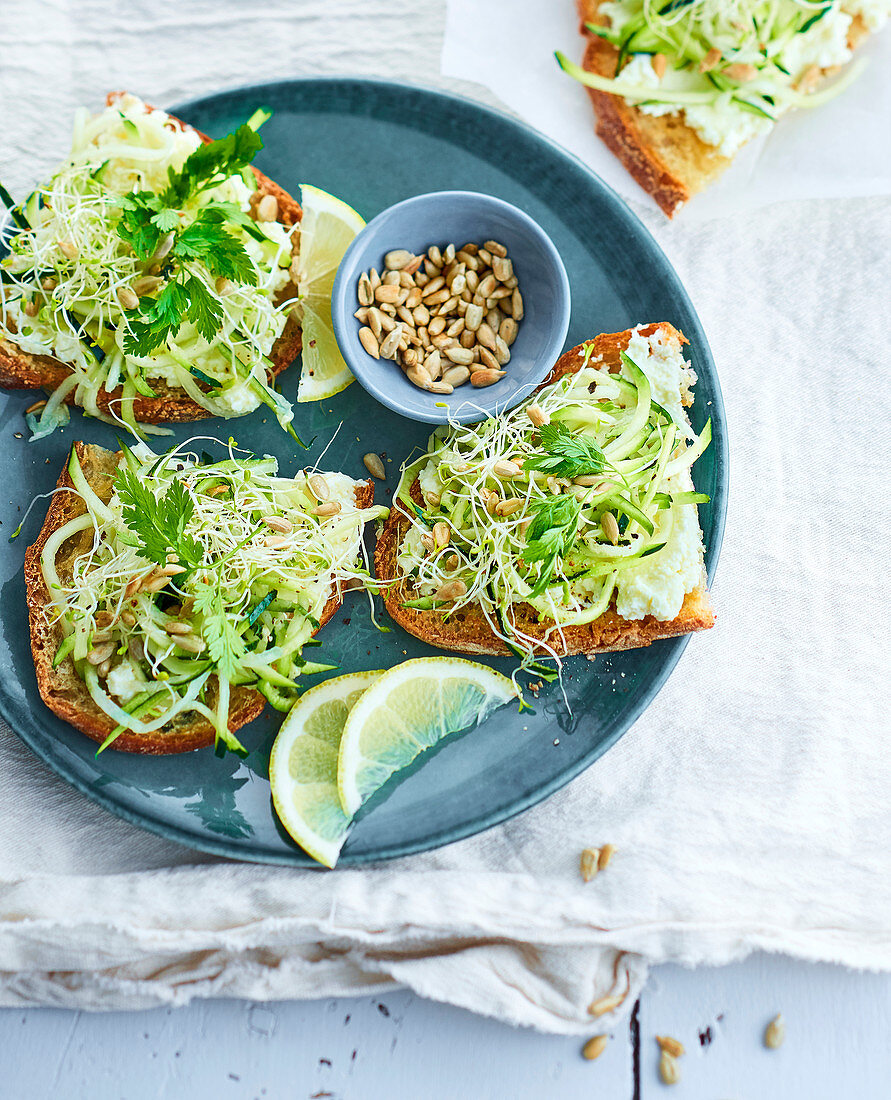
(159, 522)
(551, 536)
(203, 310)
(222, 254)
(137, 225)
(565, 454)
(207, 163)
(224, 642)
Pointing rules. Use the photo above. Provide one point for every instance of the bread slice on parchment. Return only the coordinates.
(62, 689)
(664, 155)
(25, 370)
(466, 630)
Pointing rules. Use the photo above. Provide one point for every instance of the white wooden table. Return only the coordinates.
(398, 1047)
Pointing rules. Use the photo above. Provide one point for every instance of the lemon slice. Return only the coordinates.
(409, 709)
(303, 765)
(327, 228)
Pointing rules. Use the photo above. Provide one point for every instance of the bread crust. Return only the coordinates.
(665, 156)
(62, 689)
(467, 631)
(23, 370)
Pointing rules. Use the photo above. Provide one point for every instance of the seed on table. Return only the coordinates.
(775, 1032)
(434, 255)
(467, 339)
(602, 1005)
(365, 291)
(387, 293)
(369, 342)
(508, 330)
(398, 259)
(486, 336)
(440, 387)
(473, 317)
(391, 343)
(329, 508)
(606, 854)
(318, 486)
(456, 376)
(485, 377)
(374, 465)
(488, 359)
(669, 1070)
(516, 305)
(594, 1047)
(502, 352)
(420, 377)
(502, 268)
(674, 1046)
(459, 355)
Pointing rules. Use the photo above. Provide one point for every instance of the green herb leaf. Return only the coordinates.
(224, 641)
(137, 224)
(203, 309)
(208, 163)
(551, 536)
(565, 454)
(222, 254)
(159, 522)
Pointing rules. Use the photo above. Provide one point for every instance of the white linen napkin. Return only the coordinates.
(748, 805)
(839, 150)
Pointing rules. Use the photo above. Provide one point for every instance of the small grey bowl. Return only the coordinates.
(458, 217)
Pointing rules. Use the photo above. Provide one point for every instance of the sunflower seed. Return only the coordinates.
(433, 365)
(595, 1047)
(537, 415)
(462, 356)
(267, 209)
(588, 863)
(485, 377)
(467, 339)
(365, 293)
(191, 643)
(487, 286)
(496, 249)
(318, 486)
(100, 653)
(486, 336)
(434, 255)
(502, 352)
(279, 523)
(451, 590)
(505, 468)
(433, 286)
(775, 1032)
(508, 330)
(603, 1005)
(391, 278)
(398, 259)
(420, 377)
(473, 317)
(673, 1046)
(508, 507)
(456, 376)
(516, 305)
(369, 342)
(329, 508)
(391, 343)
(127, 298)
(610, 526)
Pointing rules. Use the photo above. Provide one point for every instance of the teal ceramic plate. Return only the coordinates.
(374, 143)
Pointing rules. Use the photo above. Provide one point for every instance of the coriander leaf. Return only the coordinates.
(155, 319)
(159, 522)
(222, 254)
(551, 536)
(234, 215)
(565, 454)
(219, 158)
(203, 309)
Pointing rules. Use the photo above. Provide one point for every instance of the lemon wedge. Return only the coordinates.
(327, 228)
(303, 765)
(407, 710)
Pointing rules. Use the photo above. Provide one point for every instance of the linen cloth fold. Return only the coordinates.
(748, 805)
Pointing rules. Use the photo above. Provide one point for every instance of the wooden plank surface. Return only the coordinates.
(399, 1047)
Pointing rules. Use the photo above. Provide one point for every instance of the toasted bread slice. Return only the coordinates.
(61, 688)
(666, 157)
(466, 629)
(25, 370)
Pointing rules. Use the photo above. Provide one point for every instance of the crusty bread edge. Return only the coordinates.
(472, 633)
(194, 732)
(619, 124)
(24, 370)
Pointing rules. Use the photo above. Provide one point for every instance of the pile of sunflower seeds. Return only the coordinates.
(447, 317)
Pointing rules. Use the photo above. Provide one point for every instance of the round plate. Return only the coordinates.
(374, 143)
